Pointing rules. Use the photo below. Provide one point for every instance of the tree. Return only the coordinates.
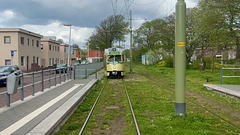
(210, 29)
(111, 29)
(230, 9)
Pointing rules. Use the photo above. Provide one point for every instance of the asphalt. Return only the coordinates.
(43, 113)
(233, 90)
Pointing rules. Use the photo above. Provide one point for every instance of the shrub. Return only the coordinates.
(196, 64)
(229, 61)
(169, 61)
(162, 63)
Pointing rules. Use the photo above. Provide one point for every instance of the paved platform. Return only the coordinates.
(43, 113)
(233, 90)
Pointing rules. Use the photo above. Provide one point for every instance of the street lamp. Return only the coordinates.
(69, 47)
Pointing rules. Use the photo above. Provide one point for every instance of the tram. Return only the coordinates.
(114, 61)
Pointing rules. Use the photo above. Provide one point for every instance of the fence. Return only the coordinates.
(221, 74)
(48, 78)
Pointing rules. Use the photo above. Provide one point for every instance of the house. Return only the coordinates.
(64, 54)
(50, 52)
(94, 55)
(20, 47)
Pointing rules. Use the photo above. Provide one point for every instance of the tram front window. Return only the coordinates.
(111, 58)
(114, 58)
(117, 58)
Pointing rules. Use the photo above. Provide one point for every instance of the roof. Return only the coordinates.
(113, 51)
(21, 31)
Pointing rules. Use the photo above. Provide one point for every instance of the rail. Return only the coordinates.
(221, 74)
(32, 76)
(50, 78)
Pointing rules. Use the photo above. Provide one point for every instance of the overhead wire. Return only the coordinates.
(145, 3)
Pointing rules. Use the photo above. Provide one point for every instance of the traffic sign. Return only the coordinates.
(12, 52)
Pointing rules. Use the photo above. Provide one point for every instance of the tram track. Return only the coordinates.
(171, 89)
(96, 103)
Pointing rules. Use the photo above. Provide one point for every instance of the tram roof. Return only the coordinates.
(113, 51)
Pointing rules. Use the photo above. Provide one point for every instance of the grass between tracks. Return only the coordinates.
(153, 105)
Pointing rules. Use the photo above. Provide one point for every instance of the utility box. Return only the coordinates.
(12, 83)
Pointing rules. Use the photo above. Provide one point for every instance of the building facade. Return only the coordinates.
(20, 47)
(50, 52)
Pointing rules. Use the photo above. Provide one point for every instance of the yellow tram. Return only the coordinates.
(114, 60)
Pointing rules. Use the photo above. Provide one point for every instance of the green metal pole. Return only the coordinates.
(180, 58)
(130, 41)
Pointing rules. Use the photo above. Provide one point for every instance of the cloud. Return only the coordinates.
(6, 15)
(56, 28)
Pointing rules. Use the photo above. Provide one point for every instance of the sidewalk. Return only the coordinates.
(42, 113)
(233, 90)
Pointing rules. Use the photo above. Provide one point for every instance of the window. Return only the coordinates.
(50, 61)
(37, 60)
(50, 47)
(41, 46)
(37, 44)
(28, 41)
(7, 62)
(22, 40)
(7, 39)
(53, 48)
(33, 59)
(22, 60)
(58, 48)
(32, 42)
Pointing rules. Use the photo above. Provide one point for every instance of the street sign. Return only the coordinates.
(12, 52)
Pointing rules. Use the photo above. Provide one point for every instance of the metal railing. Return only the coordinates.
(221, 74)
(42, 73)
(50, 78)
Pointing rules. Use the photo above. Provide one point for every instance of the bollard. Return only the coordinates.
(33, 84)
(49, 78)
(42, 82)
(85, 73)
(22, 93)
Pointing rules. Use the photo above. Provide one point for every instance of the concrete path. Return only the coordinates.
(233, 90)
(43, 113)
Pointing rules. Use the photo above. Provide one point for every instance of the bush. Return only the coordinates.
(162, 63)
(208, 62)
(196, 64)
(229, 61)
(169, 61)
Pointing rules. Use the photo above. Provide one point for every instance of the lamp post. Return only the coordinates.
(69, 47)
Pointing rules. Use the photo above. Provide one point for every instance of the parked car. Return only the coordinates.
(61, 68)
(76, 64)
(7, 70)
(84, 62)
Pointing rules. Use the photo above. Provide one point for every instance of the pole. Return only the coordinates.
(130, 41)
(69, 47)
(180, 58)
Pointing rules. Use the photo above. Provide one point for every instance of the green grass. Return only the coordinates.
(150, 90)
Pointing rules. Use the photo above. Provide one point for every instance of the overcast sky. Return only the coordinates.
(47, 17)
